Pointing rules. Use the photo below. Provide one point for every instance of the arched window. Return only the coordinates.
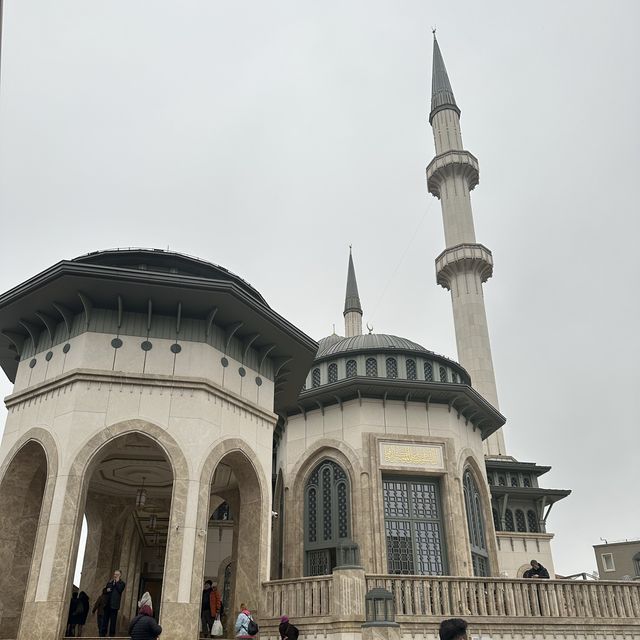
(514, 481)
(315, 378)
(443, 374)
(371, 367)
(327, 516)
(412, 373)
(454, 377)
(508, 521)
(475, 524)
(526, 481)
(392, 368)
(428, 372)
(521, 525)
(333, 372)
(532, 521)
(352, 369)
(502, 480)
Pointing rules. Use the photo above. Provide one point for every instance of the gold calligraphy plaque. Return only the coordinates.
(411, 455)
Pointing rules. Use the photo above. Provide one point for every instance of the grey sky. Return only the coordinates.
(267, 136)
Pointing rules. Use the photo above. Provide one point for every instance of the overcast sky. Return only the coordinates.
(268, 136)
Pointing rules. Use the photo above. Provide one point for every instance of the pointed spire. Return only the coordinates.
(352, 299)
(352, 307)
(441, 91)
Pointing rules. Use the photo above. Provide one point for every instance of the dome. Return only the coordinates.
(335, 345)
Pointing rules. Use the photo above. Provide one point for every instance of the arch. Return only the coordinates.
(250, 503)
(371, 367)
(352, 368)
(315, 378)
(412, 372)
(22, 491)
(81, 472)
(428, 371)
(344, 455)
(332, 372)
(44, 439)
(522, 569)
(391, 365)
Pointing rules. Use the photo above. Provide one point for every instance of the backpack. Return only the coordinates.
(252, 627)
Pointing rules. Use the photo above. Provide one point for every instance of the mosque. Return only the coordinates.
(201, 435)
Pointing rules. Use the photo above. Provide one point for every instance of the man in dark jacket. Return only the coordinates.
(536, 571)
(143, 626)
(114, 588)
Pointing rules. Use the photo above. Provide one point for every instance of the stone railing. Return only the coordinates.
(298, 598)
(428, 597)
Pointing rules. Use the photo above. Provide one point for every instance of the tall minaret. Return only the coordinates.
(352, 307)
(464, 265)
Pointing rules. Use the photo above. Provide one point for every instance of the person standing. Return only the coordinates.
(99, 607)
(536, 571)
(244, 623)
(211, 602)
(114, 588)
(82, 611)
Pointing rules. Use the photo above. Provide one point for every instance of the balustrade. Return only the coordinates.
(298, 598)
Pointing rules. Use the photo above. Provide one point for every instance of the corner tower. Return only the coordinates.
(464, 265)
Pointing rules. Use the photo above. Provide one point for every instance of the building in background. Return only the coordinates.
(618, 560)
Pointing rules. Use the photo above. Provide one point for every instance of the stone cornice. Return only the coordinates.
(448, 163)
(145, 380)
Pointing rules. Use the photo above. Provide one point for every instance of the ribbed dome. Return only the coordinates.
(375, 341)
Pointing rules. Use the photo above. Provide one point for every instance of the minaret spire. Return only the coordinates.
(441, 92)
(464, 266)
(352, 307)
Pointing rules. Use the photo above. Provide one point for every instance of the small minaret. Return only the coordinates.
(464, 265)
(352, 306)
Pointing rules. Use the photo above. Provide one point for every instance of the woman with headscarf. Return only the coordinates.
(82, 612)
(143, 626)
(287, 630)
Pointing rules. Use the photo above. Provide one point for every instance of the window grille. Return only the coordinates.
(333, 372)
(454, 377)
(496, 520)
(532, 521)
(392, 368)
(315, 378)
(352, 369)
(521, 525)
(428, 372)
(413, 526)
(475, 525)
(490, 479)
(502, 480)
(514, 481)
(508, 521)
(443, 374)
(371, 367)
(327, 516)
(526, 481)
(412, 373)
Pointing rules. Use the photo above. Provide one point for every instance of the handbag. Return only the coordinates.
(216, 627)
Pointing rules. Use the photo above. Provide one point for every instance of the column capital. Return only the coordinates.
(470, 258)
(449, 162)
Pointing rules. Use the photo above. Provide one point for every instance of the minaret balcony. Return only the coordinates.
(450, 163)
(468, 258)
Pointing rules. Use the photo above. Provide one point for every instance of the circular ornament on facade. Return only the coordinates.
(224, 362)
(116, 343)
(176, 348)
(32, 363)
(66, 348)
(259, 381)
(146, 346)
(48, 356)
(242, 371)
